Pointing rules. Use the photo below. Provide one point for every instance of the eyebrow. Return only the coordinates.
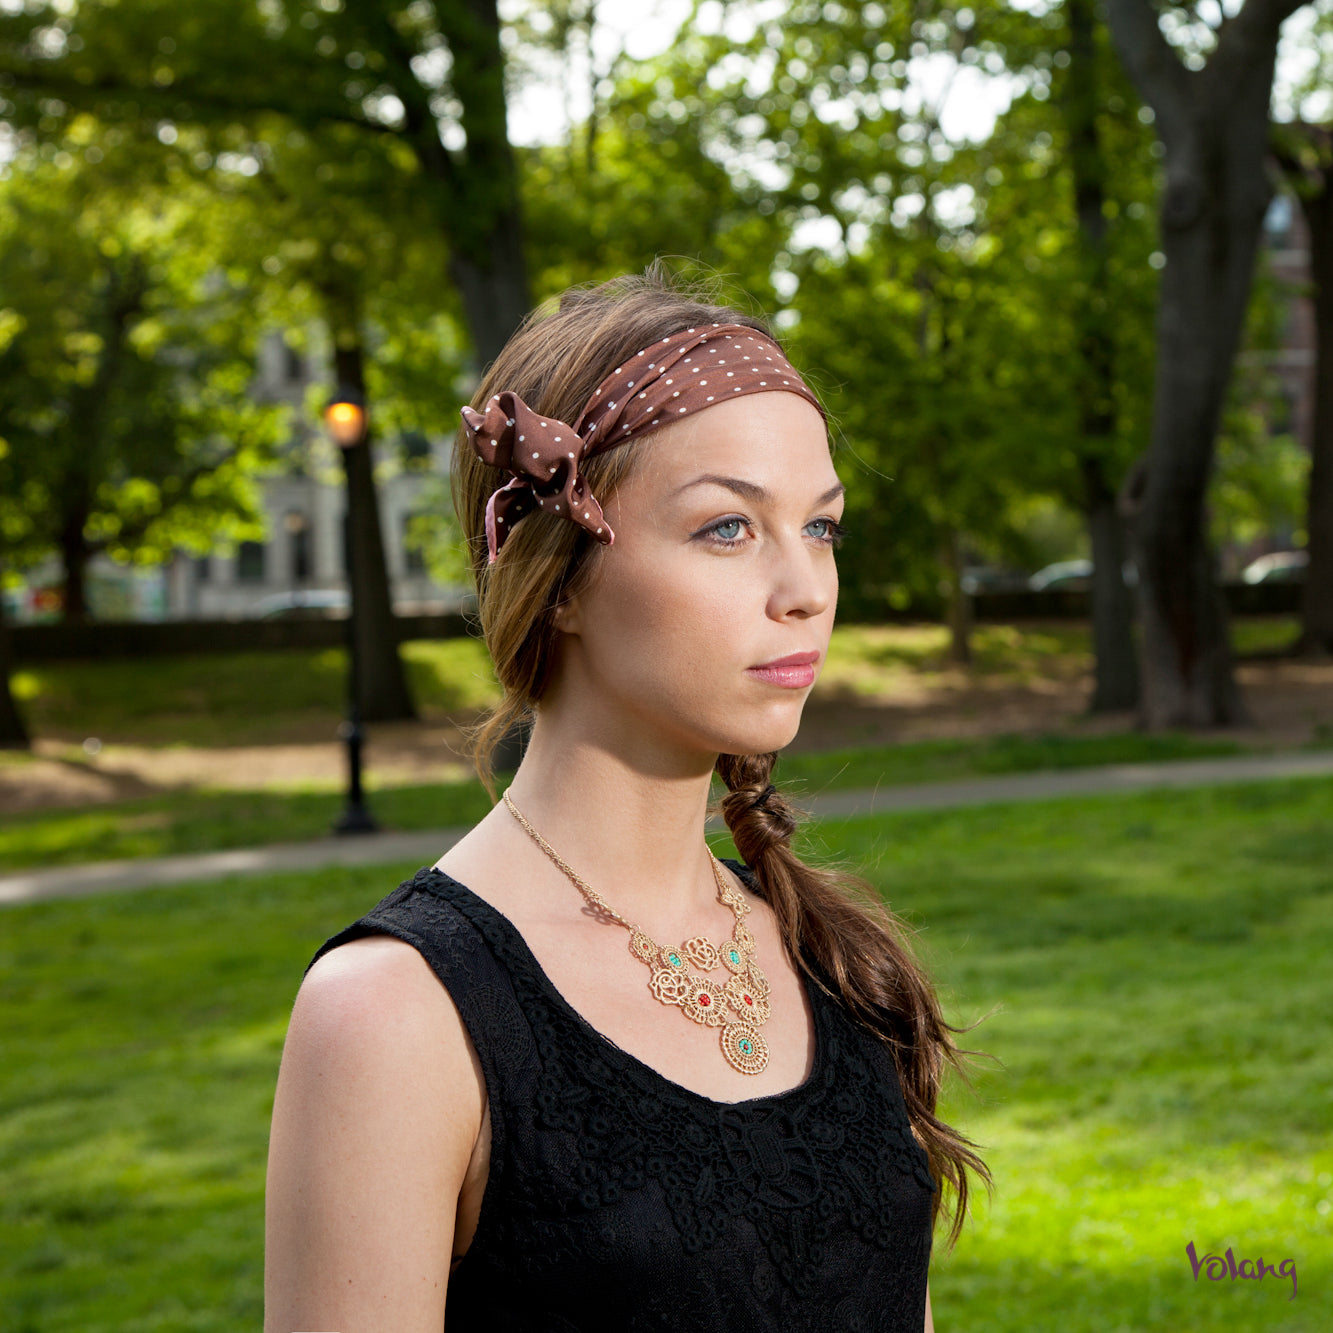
(748, 490)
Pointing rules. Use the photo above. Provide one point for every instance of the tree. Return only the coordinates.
(1306, 155)
(1082, 104)
(416, 77)
(15, 536)
(382, 692)
(339, 232)
(13, 731)
(1072, 202)
(124, 366)
(1212, 115)
(850, 199)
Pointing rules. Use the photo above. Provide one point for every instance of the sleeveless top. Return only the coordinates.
(618, 1199)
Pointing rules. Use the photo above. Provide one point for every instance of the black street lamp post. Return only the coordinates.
(345, 417)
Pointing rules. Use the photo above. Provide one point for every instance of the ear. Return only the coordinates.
(568, 616)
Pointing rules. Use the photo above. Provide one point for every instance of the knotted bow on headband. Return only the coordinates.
(683, 373)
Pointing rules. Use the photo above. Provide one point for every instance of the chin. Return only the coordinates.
(763, 739)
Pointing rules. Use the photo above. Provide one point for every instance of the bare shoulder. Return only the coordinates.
(377, 978)
(378, 1107)
(375, 1001)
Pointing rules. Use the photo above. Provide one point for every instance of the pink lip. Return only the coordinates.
(793, 672)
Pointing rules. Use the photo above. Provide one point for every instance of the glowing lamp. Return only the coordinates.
(345, 416)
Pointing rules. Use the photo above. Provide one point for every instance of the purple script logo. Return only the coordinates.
(1216, 1267)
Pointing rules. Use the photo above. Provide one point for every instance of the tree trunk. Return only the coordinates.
(1116, 686)
(479, 191)
(494, 292)
(959, 604)
(1214, 126)
(381, 683)
(123, 298)
(13, 732)
(74, 556)
(1315, 192)
(1116, 682)
(1187, 668)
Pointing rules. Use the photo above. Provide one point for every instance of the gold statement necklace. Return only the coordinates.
(744, 993)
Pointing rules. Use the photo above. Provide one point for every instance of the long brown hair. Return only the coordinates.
(834, 924)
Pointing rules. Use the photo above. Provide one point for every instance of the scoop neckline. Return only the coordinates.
(811, 1081)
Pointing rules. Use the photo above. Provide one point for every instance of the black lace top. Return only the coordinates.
(619, 1200)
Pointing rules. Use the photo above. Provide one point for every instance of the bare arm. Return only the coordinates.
(377, 1110)
(930, 1320)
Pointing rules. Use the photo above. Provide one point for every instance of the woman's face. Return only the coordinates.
(722, 562)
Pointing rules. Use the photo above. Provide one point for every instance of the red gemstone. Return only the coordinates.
(749, 999)
(705, 1000)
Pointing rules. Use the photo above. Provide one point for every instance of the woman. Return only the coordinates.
(579, 1074)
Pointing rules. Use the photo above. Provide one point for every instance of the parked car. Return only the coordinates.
(1076, 575)
(1279, 567)
(1064, 574)
(992, 578)
(313, 605)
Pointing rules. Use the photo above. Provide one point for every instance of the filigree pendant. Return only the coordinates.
(745, 1048)
(671, 981)
(706, 1002)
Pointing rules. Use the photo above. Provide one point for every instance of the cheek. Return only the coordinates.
(662, 613)
(653, 604)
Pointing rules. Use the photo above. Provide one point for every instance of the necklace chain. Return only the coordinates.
(703, 1000)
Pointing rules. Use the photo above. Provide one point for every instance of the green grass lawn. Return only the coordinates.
(233, 698)
(199, 821)
(1157, 968)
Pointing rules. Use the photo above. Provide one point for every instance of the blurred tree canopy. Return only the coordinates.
(938, 282)
(1303, 147)
(418, 82)
(125, 358)
(977, 299)
(1210, 86)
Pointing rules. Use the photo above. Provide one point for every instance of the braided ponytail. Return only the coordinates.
(837, 930)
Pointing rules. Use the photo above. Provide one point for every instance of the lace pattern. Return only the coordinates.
(618, 1199)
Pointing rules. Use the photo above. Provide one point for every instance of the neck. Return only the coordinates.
(606, 812)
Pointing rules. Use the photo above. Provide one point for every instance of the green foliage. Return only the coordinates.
(125, 363)
(419, 84)
(1261, 474)
(436, 533)
(936, 285)
(334, 233)
(941, 288)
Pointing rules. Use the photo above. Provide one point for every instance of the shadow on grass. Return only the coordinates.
(1156, 1084)
(202, 821)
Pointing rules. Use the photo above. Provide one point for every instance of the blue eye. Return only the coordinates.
(835, 530)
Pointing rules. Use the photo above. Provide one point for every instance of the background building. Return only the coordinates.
(302, 560)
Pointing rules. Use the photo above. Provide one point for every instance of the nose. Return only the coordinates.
(804, 580)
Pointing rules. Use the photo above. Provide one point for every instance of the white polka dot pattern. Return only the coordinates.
(670, 377)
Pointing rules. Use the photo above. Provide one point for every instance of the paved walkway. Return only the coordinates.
(426, 848)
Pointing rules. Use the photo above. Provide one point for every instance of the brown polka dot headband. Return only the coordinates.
(684, 373)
